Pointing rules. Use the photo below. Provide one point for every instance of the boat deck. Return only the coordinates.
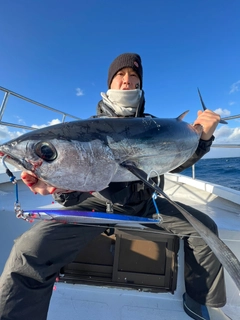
(75, 301)
(119, 304)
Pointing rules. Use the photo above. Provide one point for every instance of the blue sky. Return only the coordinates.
(58, 53)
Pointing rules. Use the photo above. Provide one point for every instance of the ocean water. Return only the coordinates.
(223, 171)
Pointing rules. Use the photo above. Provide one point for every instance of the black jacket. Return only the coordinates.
(129, 193)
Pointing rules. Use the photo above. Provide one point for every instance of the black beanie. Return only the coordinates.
(126, 60)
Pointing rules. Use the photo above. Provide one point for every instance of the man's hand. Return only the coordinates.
(209, 121)
(38, 186)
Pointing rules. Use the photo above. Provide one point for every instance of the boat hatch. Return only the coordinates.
(145, 260)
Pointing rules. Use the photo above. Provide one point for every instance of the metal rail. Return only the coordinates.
(231, 117)
(9, 93)
(216, 145)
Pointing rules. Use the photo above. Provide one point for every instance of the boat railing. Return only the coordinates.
(8, 93)
(221, 145)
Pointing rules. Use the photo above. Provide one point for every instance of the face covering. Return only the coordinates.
(123, 102)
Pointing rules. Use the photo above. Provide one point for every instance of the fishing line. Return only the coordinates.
(8, 172)
(154, 195)
(12, 178)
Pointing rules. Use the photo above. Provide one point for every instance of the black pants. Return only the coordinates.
(37, 256)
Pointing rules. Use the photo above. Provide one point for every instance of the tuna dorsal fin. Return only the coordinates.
(182, 115)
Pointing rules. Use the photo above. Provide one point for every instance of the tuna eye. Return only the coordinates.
(46, 151)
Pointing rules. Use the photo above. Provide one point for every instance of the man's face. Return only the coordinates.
(125, 79)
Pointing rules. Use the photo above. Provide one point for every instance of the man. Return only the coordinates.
(35, 259)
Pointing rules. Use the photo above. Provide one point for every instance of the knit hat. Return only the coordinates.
(126, 60)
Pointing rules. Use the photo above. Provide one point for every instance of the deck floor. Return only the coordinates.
(101, 303)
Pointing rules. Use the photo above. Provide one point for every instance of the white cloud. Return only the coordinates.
(20, 120)
(79, 92)
(50, 123)
(231, 103)
(54, 121)
(226, 134)
(235, 135)
(222, 112)
(235, 87)
(6, 134)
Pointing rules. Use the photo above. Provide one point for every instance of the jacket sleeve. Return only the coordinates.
(202, 149)
(71, 199)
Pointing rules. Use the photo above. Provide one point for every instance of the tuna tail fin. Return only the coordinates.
(219, 248)
(204, 107)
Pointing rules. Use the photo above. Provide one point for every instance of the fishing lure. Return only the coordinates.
(86, 217)
(76, 217)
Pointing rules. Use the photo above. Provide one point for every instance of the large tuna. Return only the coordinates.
(86, 155)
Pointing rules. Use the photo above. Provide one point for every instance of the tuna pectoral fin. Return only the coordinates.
(205, 108)
(226, 257)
